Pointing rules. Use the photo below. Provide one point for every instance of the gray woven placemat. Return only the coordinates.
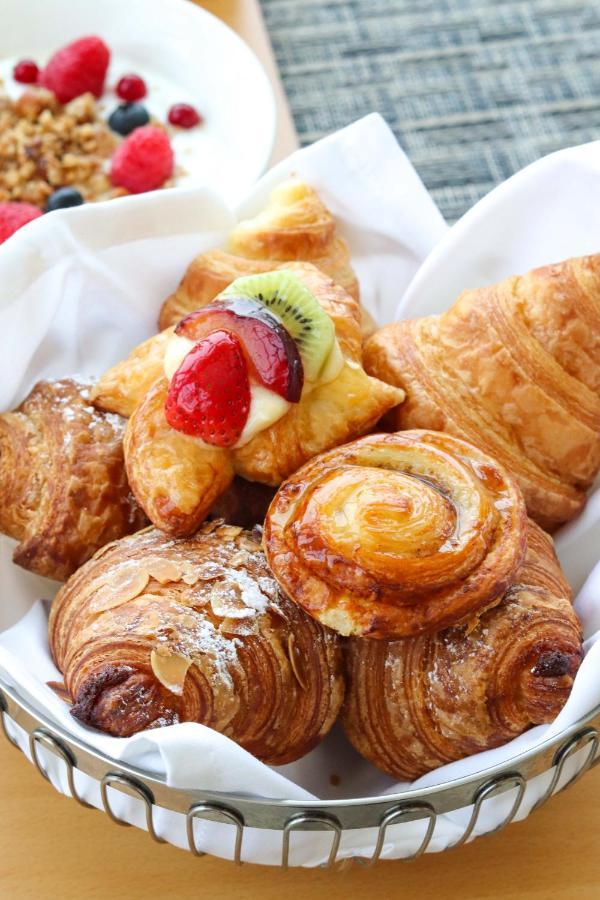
(474, 89)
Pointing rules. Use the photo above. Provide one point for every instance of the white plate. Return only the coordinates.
(185, 55)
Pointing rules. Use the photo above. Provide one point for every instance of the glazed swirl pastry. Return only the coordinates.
(295, 226)
(153, 631)
(515, 368)
(417, 704)
(397, 535)
(63, 488)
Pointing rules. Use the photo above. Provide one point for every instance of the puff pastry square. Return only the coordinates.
(176, 479)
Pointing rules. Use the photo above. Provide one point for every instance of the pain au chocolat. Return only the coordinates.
(417, 704)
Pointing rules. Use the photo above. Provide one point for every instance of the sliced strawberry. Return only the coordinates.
(272, 353)
(209, 396)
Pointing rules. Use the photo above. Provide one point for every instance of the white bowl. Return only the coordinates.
(185, 55)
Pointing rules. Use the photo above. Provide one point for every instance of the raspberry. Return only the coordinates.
(26, 71)
(184, 116)
(14, 215)
(131, 87)
(144, 160)
(76, 69)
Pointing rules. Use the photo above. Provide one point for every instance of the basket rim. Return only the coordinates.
(527, 764)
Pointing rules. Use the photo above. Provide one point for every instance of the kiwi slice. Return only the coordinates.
(287, 298)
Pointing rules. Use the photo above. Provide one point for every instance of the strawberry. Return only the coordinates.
(209, 395)
(272, 355)
(76, 69)
(143, 161)
(14, 215)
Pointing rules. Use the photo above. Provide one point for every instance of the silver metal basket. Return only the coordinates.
(577, 746)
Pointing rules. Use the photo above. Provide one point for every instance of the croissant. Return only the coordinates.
(63, 487)
(294, 226)
(416, 704)
(155, 631)
(515, 368)
(177, 479)
(396, 535)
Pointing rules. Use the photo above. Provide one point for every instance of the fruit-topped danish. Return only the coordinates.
(254, 383)
(264, 341)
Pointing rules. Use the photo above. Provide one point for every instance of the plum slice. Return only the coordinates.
(271, 352)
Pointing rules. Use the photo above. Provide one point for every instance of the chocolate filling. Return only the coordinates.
(552, 664)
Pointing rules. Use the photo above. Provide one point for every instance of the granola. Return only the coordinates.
(45, 145)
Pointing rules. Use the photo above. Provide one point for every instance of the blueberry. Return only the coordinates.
(62, 198)
(128, 116)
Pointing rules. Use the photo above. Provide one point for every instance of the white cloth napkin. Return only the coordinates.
(79, 288)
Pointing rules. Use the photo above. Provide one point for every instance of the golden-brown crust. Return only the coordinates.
(155, 631)
(295, 225)
(397, 535)
(331, 415)
(417, 704)
(123, 386)
(515, 368)
(63, 487)
(177, 480)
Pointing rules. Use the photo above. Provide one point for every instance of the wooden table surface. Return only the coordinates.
(51, 849)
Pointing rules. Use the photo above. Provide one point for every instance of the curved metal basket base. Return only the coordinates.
(288, 817)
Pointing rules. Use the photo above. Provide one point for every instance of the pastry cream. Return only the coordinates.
(266, 407)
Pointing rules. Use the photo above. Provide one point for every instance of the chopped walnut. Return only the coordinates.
(44, 146)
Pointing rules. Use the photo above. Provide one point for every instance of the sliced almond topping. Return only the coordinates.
(152, 620)
(189, 573)
(209, 527)
(226, 600)
(229, 532)
(164, 570)
(170, 669)
(124, 585)
(240, 627)
(246, 543)
(238, 560)
(294, 656)
(208, 571)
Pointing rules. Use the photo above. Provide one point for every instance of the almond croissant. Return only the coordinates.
(155, 631)
(294, 226)
(514, 368)
(63, 488)
(416, 704)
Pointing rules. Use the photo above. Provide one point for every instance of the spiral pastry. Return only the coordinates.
(417, 704)
(397, 535)
(155, 631)
(63, 488)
